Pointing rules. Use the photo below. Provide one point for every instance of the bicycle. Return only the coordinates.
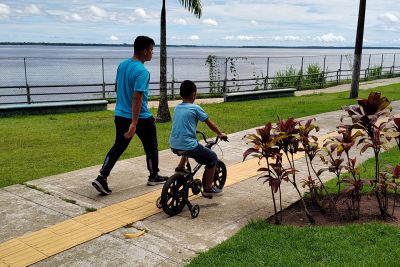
(175, 193)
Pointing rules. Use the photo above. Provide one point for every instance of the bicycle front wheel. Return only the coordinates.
(174, 194)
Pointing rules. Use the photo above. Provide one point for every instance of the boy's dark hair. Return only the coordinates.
(141, 43)
(187, 88)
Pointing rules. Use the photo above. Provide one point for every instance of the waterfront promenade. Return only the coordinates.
(35, 218)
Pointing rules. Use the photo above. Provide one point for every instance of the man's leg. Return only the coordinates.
(120, 145)
(146, 131)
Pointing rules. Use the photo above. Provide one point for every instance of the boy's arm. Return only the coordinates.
(215, 129)
(136, 106)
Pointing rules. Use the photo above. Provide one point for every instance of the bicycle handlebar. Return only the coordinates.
(210, 142)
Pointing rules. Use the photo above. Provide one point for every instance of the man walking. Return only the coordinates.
(132, 115)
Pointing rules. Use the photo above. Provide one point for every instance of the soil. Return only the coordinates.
(369, 212)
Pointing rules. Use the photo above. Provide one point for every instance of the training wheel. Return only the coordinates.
(158, 203)
(195, 211)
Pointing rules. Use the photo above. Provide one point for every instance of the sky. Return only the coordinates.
(223, 22)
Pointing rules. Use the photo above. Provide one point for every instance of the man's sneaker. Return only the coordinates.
(155, 180)
(100, 183)
(213, 191)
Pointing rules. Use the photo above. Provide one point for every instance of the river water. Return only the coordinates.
(75, 65)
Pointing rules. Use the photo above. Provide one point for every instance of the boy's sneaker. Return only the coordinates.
(101, 185)
(157, 179)
(213, 191)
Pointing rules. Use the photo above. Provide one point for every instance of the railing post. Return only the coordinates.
(299, 82)
(381, 70)
(104, 84)
(226, 75)
(323, 73)
(340, 69)
(266, 80)
(394, 64)
(369, 66)
(28, 90)
(173, 79)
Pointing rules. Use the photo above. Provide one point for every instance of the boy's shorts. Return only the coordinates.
(201, 154)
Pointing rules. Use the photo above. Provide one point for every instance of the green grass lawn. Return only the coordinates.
(263, 244)
(41, 145)
(367, 168)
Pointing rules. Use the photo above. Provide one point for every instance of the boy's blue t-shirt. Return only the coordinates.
(184, 124)
(132, 76)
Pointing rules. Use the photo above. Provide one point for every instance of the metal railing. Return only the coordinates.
(40, 80)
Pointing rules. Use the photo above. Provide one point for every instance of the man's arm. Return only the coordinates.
(136, 106)
(215, 129)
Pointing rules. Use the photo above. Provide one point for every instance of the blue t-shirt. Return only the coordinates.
(184, 124)
(132, 76)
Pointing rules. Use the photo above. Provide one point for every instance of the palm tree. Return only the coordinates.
(193, 6)
(358, 50)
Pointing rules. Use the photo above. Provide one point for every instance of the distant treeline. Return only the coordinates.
(250, 46)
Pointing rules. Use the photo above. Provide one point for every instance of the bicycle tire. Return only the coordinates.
(219, 175)
(173, 193)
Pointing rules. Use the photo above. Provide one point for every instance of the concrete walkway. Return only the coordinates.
(169, 241)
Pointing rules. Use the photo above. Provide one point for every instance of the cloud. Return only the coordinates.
(253, 22)
(140, 13)
(32, 10)
(194, 38)
(245, 38)
(330, 38)
(388, 18)
(210, 22)
(287, 38)
(242, 37)
(4, 11)
(179, 21)
(98, 12)
(114, 38)
(73, 17)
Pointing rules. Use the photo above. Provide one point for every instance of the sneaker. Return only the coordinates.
(155, 180)
(213, 191)
(101, 185)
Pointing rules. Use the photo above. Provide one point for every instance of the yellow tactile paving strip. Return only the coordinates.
(34, 247)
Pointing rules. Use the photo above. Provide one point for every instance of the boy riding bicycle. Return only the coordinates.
(183, 139)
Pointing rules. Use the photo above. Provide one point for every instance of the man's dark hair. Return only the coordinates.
(142, 42)
(187, 88)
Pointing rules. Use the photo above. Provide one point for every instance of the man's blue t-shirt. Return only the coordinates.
(132, 76)
(184, 124)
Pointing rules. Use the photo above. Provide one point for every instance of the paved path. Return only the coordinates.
(169, 241)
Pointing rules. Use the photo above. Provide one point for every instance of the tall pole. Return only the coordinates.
(163, 114)
(358, 50)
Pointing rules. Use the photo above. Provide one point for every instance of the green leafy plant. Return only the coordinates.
(314, 77)
(289, 77)
(214, 75)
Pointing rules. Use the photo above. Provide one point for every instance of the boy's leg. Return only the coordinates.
(210, 172)
(120, 145)
(207, 157)
(146, 131)
(181, 164)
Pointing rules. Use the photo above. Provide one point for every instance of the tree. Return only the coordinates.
(193, 6)
(358, 50)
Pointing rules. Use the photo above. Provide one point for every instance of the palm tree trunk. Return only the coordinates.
(163, 114)
(358, 50)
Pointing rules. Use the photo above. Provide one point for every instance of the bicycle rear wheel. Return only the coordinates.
(219, 175)
(174, 194)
